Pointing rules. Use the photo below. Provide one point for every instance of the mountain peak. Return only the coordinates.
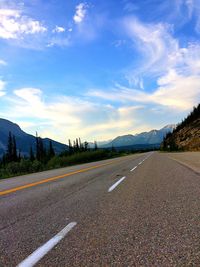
(169, 126)
(24, 141)
(153, 137)
(8, 126)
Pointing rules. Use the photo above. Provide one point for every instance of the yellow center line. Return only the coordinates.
(12, 190)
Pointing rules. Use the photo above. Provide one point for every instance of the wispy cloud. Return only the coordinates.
(81, 10)
(193, 11)
(154, 42)
(175, 69)
(174, 91)
(129, 6)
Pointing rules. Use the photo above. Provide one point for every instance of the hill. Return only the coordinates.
(153, 137)
(23, 140)
(186, 136)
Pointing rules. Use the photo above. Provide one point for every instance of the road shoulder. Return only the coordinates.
(189, 159)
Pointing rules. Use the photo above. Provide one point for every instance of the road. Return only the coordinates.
(138, 210)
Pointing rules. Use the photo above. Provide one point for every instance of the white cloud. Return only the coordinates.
(3, 62)
(14, 25)
(2, 87)
(55, 41)
(81, 10)
(32, 96)
(58, 29)
(68, 117)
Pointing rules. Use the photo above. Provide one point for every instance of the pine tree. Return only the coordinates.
(77, 145)
(70, 147)
(14, 149)
(11, 153)
(19, 156)
(9, 148)
(51, 150)
(95, 145)
(74, 146)
(31, 154)
(86, 146)
(37, 147)
(40, 150)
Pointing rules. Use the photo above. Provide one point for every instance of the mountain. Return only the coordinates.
(186, 136)
(23, 140)
(100, 144)
(145, 138)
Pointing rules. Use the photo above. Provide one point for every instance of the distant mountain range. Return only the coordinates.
(24, 141)
(153, 137)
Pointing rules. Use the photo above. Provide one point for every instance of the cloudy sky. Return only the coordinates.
(98, 69)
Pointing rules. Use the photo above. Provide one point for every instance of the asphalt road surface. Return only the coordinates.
(139, 210)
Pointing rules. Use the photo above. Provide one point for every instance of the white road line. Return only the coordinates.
(44, 249)
(116, 184)
(133, 169)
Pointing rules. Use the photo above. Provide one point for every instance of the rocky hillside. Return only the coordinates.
(186, 136)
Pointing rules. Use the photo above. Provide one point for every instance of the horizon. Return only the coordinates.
(98, 70)
(90, 141)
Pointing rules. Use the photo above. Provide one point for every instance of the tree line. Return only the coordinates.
(41, 153)
(43, 157)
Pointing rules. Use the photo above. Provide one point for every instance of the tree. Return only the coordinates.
(11, 154)
(40, 150)
(95, 145)
(9, 148)
(37, 147)
(77, 145)
(14, 149)
(51, 150)
(86, 146)
(31, 154)
(74, 146)
(80, 145)
(70, 147)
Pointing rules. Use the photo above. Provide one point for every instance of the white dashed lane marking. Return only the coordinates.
(38, 254)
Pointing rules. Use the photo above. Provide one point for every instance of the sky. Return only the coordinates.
(98, 69)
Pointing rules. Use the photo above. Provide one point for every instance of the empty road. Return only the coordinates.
(138, 210)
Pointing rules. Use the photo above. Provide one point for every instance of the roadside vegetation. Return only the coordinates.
(42, 158)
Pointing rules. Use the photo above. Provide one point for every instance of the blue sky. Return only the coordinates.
(98, 69)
